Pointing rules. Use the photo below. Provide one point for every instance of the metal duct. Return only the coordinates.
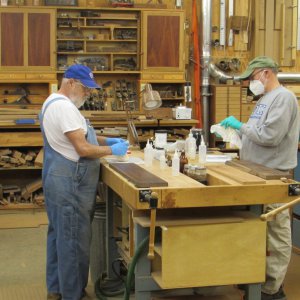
(282, 77)
(215, 72)
(205, 63)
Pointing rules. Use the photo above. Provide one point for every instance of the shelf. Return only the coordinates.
(21, 168)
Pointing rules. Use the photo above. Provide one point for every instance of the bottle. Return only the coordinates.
(148, 154)
(175, 164)
(162, 161)
(202, 151)
(190, 146)
(183, 161)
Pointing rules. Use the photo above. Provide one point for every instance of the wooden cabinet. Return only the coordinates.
(163, 42)
(27, 39)
(104, 40)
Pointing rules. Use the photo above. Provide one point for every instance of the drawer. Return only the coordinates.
(163, 76)
(174, 76)
(211, 254)
(8, 76)
(152, 76)
(43, 76)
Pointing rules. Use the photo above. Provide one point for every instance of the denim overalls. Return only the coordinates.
(70, 192)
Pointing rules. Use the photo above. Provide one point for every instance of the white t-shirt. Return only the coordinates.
(60, 117)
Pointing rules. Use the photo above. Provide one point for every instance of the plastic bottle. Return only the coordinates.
(202, 151)
(162, 161)
(175, 164)
(190, 146)
(148, 154)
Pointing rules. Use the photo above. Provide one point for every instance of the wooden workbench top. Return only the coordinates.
(227, 186)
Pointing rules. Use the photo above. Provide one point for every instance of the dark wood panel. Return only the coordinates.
(12, 39)
(39, 39)
(140, 177)
(258, 170)
(163, 34)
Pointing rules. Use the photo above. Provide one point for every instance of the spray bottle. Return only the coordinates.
(202, 151)
(175, 164)
(148, 154)
(190, 146)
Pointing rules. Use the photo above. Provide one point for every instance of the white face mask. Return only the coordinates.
(256, 86)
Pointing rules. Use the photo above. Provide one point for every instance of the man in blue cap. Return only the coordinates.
(70, 178)
(270, 137)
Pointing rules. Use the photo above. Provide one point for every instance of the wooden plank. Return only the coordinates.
(269, 43)
(258, 170)
(15, 139)
(237, 175)
(140, 177)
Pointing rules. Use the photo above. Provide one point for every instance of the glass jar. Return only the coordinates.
(200, 174)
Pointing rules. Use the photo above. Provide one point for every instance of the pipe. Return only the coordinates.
(205, 62)
(215, 72)
(282, 77)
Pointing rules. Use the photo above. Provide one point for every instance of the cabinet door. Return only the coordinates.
(12, 39)
(27, 39)
(162, 41)
(38, 39)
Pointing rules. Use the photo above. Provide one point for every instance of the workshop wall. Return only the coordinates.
(252, 36)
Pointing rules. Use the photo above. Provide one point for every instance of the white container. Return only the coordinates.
(202, 151)
(4, 2)
(148, 154)
(162, 161)
(175, 164)
(190, 146)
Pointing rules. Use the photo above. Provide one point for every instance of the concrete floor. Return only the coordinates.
(22, 270)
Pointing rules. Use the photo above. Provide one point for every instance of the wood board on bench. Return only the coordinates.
(140, 177)
(258, 170)
(237, 175)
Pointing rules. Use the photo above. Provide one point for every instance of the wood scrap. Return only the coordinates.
(30, 188)
(258, 170)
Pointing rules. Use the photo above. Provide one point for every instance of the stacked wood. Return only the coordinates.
(13, 194)
(15, 158)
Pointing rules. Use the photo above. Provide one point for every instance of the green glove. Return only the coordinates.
(231, 122)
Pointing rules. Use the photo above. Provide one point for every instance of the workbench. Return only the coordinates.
(205, 235)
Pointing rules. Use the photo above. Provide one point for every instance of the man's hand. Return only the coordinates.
(231, 122)
(119, 149)
(112, 141)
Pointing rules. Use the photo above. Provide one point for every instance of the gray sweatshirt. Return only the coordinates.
(271, 135)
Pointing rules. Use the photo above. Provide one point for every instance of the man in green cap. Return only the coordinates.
(270, 137)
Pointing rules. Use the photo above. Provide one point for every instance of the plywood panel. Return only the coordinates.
(203, 250)
(39, 39)
(12, 39)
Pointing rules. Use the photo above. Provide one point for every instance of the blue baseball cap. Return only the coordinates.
(82, 73)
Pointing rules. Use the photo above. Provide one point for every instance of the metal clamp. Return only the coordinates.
(294, 189)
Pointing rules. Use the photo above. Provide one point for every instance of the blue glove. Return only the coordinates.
(111, 141)
(231, 122)
(119, 149)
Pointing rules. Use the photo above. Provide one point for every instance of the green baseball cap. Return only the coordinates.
(259, 62)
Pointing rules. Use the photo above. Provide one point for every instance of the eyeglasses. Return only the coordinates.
(85, 88)
(254, 74)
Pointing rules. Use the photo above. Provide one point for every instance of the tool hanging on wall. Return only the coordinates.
(230, 14)
(222, 23)
(196, 59)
